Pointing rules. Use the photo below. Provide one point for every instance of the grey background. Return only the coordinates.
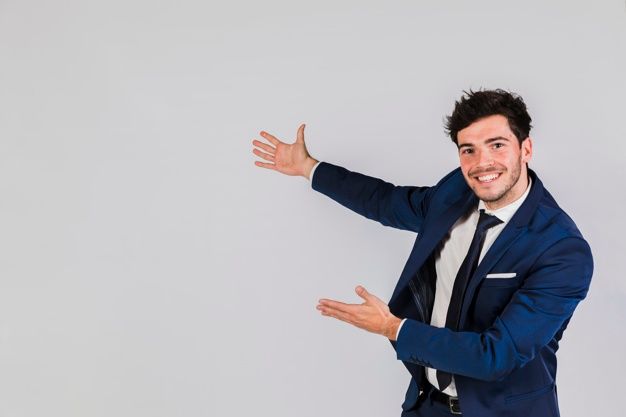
(149, 268)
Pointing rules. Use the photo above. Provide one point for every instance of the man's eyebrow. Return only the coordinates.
(487, 141)
(490, 140)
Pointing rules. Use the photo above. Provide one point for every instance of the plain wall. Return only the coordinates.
(149, 268)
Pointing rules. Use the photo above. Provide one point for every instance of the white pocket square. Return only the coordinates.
(502, 275)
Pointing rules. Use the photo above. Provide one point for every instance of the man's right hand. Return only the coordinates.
(289, 159)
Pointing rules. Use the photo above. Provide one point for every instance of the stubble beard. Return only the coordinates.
(506, 190)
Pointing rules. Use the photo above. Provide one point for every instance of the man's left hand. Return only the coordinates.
(372, 315)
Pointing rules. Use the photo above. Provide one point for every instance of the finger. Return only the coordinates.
(362, 292)
(263, 155)
(340, 315)
(265, 165)
(270, 138)
(264, 146)
(300, 135)
(338, 305)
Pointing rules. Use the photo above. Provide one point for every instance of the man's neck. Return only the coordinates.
(506, 211)
(514, 194)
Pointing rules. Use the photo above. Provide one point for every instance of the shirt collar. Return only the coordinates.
(505, 213)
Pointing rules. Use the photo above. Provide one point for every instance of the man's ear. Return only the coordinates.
(527, 149)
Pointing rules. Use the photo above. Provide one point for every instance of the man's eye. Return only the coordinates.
(498, 145)
(467, 151)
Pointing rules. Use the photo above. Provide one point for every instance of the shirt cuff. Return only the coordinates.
(399, 327)
(313, 171)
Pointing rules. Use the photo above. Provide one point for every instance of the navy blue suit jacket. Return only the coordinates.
(503, 356)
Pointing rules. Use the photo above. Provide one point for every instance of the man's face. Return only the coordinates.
(492, 161)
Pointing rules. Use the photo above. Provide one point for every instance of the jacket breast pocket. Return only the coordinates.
(501, 279)
(492, 295)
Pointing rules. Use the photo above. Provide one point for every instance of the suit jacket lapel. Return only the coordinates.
(517, 226)
(433, 232)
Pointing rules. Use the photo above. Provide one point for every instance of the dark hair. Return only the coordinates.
(478, 104)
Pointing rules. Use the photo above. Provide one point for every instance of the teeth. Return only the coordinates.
(490, 177)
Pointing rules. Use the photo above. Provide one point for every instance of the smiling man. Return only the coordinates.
(493, 278)
(493, 161)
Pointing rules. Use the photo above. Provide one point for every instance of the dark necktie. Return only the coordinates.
(466, 270)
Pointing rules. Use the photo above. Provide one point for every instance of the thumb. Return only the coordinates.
(300, 136)
(362, 292)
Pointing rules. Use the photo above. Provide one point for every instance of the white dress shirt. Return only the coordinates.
(312, 171)
(447, 263)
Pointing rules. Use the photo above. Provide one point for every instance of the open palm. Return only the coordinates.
(289, 159)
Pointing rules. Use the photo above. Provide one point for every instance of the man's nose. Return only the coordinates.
(485, 159)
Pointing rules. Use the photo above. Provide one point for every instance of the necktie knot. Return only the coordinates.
(487, 221)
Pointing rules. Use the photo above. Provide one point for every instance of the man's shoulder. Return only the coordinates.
(551, 219)
(452, 184)
(452, 178)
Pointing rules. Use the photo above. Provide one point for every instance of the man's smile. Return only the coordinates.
(487, 178)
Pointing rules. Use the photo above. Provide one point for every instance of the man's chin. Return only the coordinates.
(487, 197)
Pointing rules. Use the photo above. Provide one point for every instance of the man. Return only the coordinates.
(493, 278)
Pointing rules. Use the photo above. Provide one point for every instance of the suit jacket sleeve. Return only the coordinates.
(401, 207)
(538, 310)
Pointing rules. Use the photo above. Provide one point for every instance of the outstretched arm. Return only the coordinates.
(534, 315)
(398, 206)
(402, 207)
